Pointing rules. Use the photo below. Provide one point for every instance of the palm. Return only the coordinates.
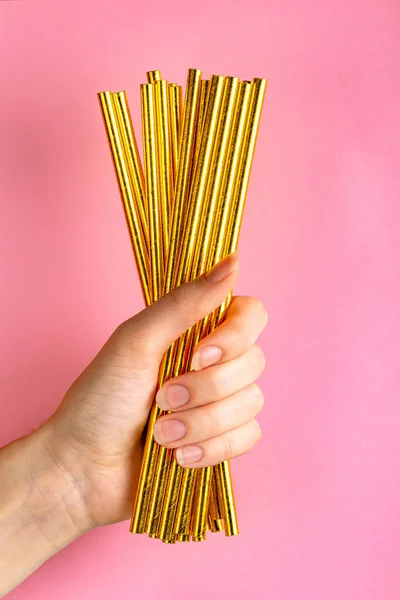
(106, 410)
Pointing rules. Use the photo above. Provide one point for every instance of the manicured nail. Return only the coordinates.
(224, 268)
(188, 455)
(172, 396)
(206, 356)
(168, 430)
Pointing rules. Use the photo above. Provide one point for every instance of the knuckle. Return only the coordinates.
(258, 397)
(215, 383)
(259, 306)
(236, 329)
(257, 432)
(213, 417)
(176, 298)
(258, 358)
(247, 302)
(227, 448)
(129, 341)
(256, 306)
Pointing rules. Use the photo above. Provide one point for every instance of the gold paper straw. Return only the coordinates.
(226, 228)
(198, 526)
(183, 511)
(228, 499)
(202, 259)
(242, 181)
(148, 465)
(223, 469)
(143, 493)
(214, 525)
(148, 462)
(175, 104)
(170, 500)
(126, 190)
(158, 478)
(199, 188)
(132, 155)
(216, 510)
(182, 187)
(193, 229)
(205, 86)
(220, 231)
(258, 88)
(164, 152)
(150, 168)
(153, 76)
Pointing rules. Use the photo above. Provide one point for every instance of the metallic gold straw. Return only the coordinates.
(132, 155)
(230, 519)
(183, 511)
(164, 153)
(175, 104)
(130, 203)
(256, 103)
(202, 259)
(215, 508)
(152, 193)
(153, 76)
(199, 188)
(143, 493)
(198, 525)
(258, 88)
(217, 240)
(193, 230)
(166, 522)
(215, 253)
(205, 86)
(145, 499)
(159, 477)
(182, 186)
(208, 157)
(225, 229)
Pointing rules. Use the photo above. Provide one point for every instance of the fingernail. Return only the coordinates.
(224, 268)
(168, 430)
(188, 455)
(172, 396)
(206, 356)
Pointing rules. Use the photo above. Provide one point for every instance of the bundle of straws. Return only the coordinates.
(184, 214)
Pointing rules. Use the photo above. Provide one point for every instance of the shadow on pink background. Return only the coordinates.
(319, 498)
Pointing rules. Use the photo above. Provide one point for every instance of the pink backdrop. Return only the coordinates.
(319, 498)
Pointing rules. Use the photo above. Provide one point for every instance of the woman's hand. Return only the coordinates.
(96, 435)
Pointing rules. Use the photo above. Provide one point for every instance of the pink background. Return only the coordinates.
(319, 499)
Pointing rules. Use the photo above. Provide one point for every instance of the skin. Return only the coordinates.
(80, 469)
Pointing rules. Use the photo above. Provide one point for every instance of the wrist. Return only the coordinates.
(41, 510)
(66, 497)
(53, 501)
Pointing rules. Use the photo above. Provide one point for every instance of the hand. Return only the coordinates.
(96, 435)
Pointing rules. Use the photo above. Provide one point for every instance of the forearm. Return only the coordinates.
(41, 510)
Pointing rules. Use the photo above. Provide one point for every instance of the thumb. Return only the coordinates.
(156, 327)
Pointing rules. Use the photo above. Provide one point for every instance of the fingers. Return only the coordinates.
(245, 320)
(208, 421)
(156, 327)
(216, 419)
(198, 388)
(223, 447)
